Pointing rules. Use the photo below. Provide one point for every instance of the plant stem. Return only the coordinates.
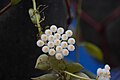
(37, 19)
(76, 76)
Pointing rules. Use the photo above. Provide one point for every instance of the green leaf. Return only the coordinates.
(91, 75)
(93, 50)
(56, 64)
(81, 75)
(33, 17)
(46, 77)
(14, 2)
(42, 62)
(73, 67)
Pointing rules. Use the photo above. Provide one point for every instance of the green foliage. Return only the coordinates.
(14, 2)
(46, 77)
(81, 75)
(42, 62)
(33, 17)
(73, 67)
(93, 50)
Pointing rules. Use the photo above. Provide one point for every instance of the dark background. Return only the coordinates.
(18, 50)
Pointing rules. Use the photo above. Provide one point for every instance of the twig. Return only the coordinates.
(5, 8)
(37, 19)
(76, 76)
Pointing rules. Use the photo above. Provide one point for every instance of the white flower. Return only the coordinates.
(48, 32)
(45, 49)
(51, 52)
(65, 52)
(107, 67)
(59, 56)
(44, 37)
(104, 74)
(60, 30)
(64, 37)
(57, 36)
(40, 43)
(64, 44)
(53, 28)
(69, 33)
(57, 42)
(51, 38)
(99, 71)
(71, 47)
(59, 49)
(50, 44)
(71, 41)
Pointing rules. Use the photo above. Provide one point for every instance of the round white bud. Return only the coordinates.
(48, 32)
(65, 52)
(40, 43)
(59, 56)
(71, 47)
(50, 44)
(69, 33)
(64, 37)
(71, 41)
(57, 36)
(53, 28)
(51, 52)
(64, 44)
(45, 49)
(44, 37)
(107, 67)
(57, 42)
(60, 30)
(59, 48)
(51, 38)
(99, 71)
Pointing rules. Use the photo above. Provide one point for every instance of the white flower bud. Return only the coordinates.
(48, 32)
(69, 33)
(57, 42)
(65, 52)
(71, 47)
(50, 44)
(53, 28)
(57, 36)
(59, 56)
(51, 38)
(64, 44)
(60, 30)
(45, 49)
(99, 71)
(64, 37)
(51, 52)
(71, 41)
(40, 43)
(44, 37)
(59, 49)
(107, 67)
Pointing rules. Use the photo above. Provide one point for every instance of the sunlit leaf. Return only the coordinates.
(93, 50)
(42, 62)
(14, 2)
(73, 67)
(46, 77)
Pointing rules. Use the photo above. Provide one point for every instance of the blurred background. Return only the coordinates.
(95, 25)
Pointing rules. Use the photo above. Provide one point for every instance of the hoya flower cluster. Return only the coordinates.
(104, 74)
(57, 42)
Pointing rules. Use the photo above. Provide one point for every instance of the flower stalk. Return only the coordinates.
(37, 19)
(76, 76)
